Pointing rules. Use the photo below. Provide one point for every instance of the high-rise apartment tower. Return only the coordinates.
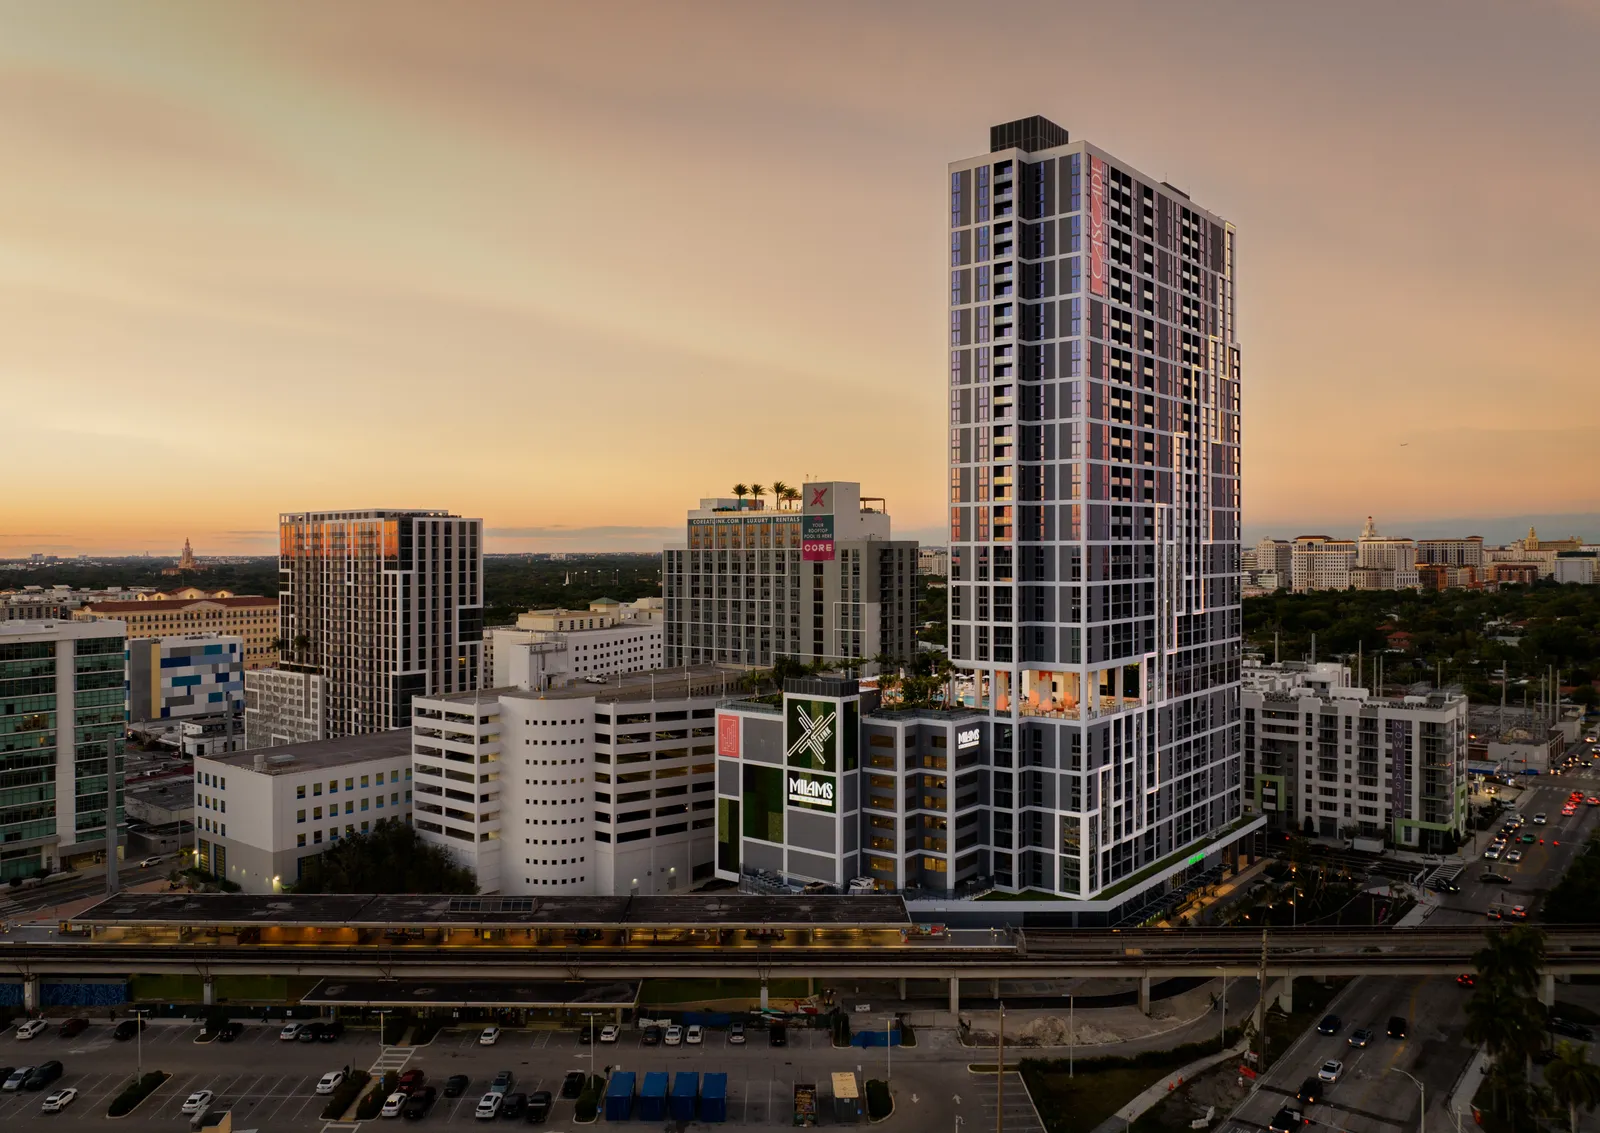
(1094, 508)
(384, 604)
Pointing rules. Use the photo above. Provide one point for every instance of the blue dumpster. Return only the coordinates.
(685, 1089)
(619, 1096)
(653, 1096)
(714, 1098)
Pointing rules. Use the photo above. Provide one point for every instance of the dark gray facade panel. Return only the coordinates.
(810, 831)
(763, 740)
(816, 866)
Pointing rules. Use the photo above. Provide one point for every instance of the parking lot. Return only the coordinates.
(270, 1083)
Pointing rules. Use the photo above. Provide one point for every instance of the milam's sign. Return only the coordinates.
(811, 791)
(967, 738)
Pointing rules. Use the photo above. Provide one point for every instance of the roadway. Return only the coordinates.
(1370, 1098)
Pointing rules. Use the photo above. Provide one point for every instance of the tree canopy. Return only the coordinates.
(391, 858)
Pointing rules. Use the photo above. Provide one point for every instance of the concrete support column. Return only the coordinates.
(902, 989)
(1547, 989)
(209, 991)
(811, 986)
(955, 995)
(1286, 993)
(763, 995)
(994, 989)
(30, 993)
(1144, 993)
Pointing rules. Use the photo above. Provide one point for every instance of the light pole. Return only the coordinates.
(888, 1049)
(1422, 1103)
(1223, 1045)
(1072, 1037)
(138, 1038)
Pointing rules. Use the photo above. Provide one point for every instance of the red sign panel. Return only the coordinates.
(728, 735)
(1097, 226)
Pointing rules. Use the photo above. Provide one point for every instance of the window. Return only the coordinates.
(333, 786)
(299, 839)
(316, 838)
(316, 790)
(364, 782)
(300, 791)
(300, 816)
(363, 804)
(316, 812)
(350, 783)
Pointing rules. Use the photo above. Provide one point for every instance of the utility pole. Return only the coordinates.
(1000, 1077)
(1261, 1010)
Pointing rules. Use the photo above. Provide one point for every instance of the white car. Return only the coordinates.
(490, 1036)
(329, 1082)
(14, 1082)
(392, 1105)
(59, 1100)
(610, 1033)
(1513, 856)
(146, 863)
(695, 1036)
(488, 1107)
(291, 1031)
(736, 1033)
(197, 1101)
(31, 1028)
(1330, 1071)
(1492, 854)
(674, 1035)
(1540, 819)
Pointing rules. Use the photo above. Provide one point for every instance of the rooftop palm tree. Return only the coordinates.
(758, 490)
(780, 492)
(741, 490)
(1574, 1081)
(790, 495)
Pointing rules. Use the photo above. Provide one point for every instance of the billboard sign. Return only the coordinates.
(728, 734)
(813, 792)
(1097, 226)
(967, 738)
(816, 539)
(811, 735)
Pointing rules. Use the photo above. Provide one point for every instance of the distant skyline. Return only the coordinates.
(571, 269)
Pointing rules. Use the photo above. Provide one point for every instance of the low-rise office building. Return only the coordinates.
(259, 815)
(250, 617)
(184, 676)
(284, 706)
(1329, 759)
(1320, 562)
(577, 789)
(548, 648)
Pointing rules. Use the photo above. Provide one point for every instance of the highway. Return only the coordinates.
(1371, 1097)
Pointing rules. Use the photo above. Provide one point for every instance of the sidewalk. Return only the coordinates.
(1146, 1101)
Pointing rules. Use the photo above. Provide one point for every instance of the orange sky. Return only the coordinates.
(569, 267)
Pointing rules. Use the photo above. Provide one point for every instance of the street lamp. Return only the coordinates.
(1422, 1104)
(1224, 1004)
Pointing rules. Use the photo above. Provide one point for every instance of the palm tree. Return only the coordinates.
(302, 642)
(741, 490)
(1513, 958)
(790, 495)
(780, 492)
(1574, 1081)
(758, 490)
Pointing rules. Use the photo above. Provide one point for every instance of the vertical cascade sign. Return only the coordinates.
(816, 533)
(1097, 226)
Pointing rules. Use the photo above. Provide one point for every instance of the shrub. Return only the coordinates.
(135, 1093)
(347, 1092)
(588, 1104)
(369, 1105)
(879, 1104)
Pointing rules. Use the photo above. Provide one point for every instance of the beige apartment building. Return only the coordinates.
(248, 616)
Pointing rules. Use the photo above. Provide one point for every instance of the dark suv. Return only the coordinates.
(1330, 1025)
(1398, 1027)
(42, 1076)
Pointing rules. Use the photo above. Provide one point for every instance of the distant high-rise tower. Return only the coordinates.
(1094, 510)
(186, 560)
(384, 604)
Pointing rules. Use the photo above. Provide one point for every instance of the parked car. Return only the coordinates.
(572, 1084)
(456, 1085)
(328, 1032)
(59, 1100)
(392, 1105)
(15, 1079)
(652, 1036)
(513, 1106)
(291, 1032)
(674, 1036)
(1398, 1027)
(420, 1102)
(1331, 1070)
(695, 1035)
(502, 1083)
(42, 1075)
(72, 1028)
(488, 1107)
(736, 1033)
(1570, 1029)
(1330, 1025)
(610, 1033)
(1360, 1037)
(489, 1037)
(231, 1030)
(31, 1029)
(410, 1080)
(778, 1035)
(329, 1082)
(197, 1101)
(309, 1033)
(539, 1105)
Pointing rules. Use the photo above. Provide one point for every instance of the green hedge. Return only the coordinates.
(346, 1093)
(879, 1104)
(589, 1100)
(369, 1105)
(136, 1092)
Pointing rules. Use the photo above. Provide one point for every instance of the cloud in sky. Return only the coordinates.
(571, 269)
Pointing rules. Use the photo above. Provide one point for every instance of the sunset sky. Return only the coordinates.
(569, 267)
